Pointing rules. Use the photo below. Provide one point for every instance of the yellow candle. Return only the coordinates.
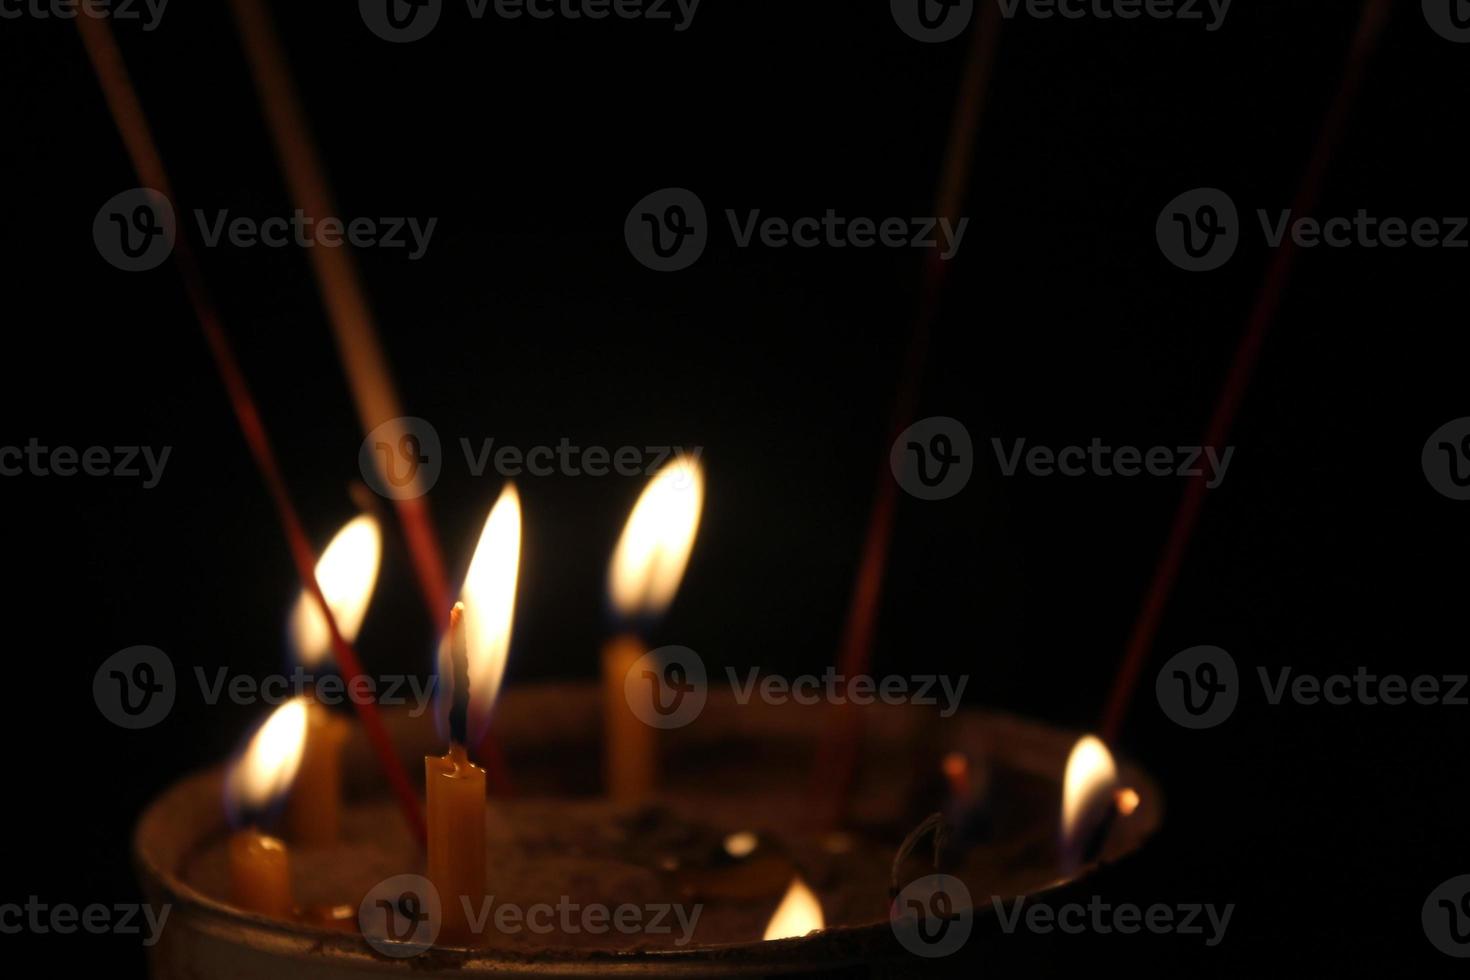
(644, 574)
(260, 874)
(314, 808)
(630, 761)
(456, 798)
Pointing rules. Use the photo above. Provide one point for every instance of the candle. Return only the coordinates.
(456, 863)
(260, 865)
(471, 665)
(1091, 801)
(260, 873)
(646, 569)
(629, 752)
(314, 808)
(346, 573)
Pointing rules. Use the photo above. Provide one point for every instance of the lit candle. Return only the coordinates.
(260, 866)
(645, 572)
(798, 914)
(1091, 801)
(346, 573)
(471, 665)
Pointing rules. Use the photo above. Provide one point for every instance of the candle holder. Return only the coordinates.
(723, 833)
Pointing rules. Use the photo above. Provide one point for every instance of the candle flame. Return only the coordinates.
(346, 573)
(489, 598)
(264, 771)
(798, 914)
(654, 549)
(1087, 789)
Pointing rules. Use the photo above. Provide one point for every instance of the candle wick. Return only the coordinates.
(460, 676)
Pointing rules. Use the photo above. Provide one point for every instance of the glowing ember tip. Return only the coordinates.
(798, 914)
(654, 549)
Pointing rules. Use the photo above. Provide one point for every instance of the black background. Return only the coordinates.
(528, 321)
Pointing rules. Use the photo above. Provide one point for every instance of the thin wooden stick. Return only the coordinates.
(1263, 313)
(348, 310)
(837, 756)
(132, 124)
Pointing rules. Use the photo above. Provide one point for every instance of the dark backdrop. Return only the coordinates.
(528, 321)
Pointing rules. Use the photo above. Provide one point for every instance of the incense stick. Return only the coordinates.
(1262, 314)
(127, 112)
(837, 755)
(348, 310)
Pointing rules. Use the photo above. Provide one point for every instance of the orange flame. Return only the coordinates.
(798, 914)
(346, 572)
(489, 598)
(654, 549)
(265, 770)
(1088, 789)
